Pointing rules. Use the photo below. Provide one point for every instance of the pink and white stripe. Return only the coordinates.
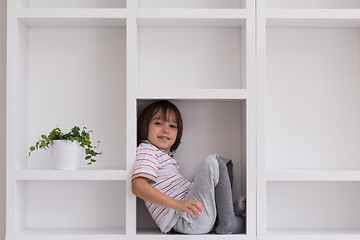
(163, 170)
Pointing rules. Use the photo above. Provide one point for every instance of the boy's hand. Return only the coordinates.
(142, 189)
(189, 206)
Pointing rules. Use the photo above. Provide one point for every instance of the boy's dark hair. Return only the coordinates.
(147, 114)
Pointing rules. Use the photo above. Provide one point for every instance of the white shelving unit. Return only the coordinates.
(97, 63)
(271, 84)
(308, 119)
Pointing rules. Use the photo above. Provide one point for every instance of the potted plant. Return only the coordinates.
(67, 149)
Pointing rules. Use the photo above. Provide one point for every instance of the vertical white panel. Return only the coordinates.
(131, 87)
(21, 95)
(2, 116)
(10, 117)
(261, 105)
(21, 207)
(251, 132)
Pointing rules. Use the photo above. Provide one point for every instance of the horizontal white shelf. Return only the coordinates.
(312, 175)
(145, 17)
(191, 17)
(118, 175)
(310, 234)
(68, 233)
(193, 94)
(191, 237)
(154, 234)
(72, 17)
(191, 13)
(313, 17)
(109, 233)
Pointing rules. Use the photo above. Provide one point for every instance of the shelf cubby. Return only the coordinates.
(317, 208)
(85, 63)
(214, 134)
(313, 97)
(185, 48)
(225, 123)
(70, 207)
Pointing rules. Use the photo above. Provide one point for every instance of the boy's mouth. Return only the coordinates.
(164, 138)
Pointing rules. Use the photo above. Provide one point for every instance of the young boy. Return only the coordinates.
(174, 202)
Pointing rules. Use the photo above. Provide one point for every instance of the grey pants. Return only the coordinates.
(202, 189)
(228, 222)
(212, 188)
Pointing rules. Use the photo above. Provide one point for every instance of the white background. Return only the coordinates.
(2, 115)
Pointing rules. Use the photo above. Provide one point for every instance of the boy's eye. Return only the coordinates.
(173, 126)
(158, 123)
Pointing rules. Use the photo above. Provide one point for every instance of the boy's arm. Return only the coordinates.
(142, 189)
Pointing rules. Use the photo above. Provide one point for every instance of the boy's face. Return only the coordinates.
(163, 132)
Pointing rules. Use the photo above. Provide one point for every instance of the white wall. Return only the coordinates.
(2, 114)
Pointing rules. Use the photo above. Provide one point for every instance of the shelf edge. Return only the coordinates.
(193, 94)
(24, 13)
(313, 13)
(192, 13)
(312, 175)
(117, 175)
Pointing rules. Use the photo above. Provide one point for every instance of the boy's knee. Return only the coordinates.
(211, 161)
(212, 165)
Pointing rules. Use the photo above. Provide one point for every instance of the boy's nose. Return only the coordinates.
(166, 128)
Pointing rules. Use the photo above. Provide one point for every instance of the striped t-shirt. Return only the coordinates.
(163, 171)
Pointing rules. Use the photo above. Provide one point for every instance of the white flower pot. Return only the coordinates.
(66, 155)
